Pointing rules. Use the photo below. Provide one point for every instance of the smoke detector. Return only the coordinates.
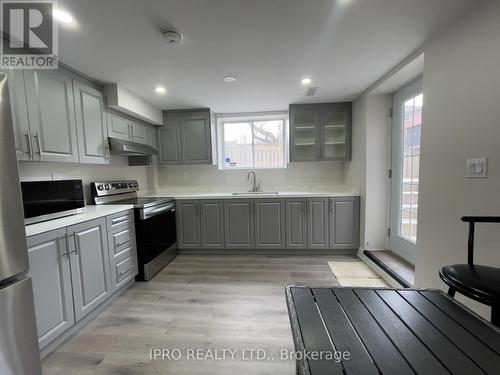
(173, 38)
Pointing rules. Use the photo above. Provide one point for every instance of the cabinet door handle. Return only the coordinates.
(119, 220)
(107, 154)
(29, 144)
(66, 242)
(76, 250)
(126, 270)
(123, 242)
(38, 144)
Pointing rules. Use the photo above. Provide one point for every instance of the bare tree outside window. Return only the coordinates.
(254, 144)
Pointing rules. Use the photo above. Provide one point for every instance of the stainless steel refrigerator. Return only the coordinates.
(19, 352)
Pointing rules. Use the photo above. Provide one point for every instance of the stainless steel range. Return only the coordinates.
(154, 223)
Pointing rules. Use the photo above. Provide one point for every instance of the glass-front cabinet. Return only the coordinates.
(320, 132)
(305, 135)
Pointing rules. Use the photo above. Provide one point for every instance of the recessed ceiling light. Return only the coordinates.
(229, 79)
(160, 90)
(306, 81)
(63, 16)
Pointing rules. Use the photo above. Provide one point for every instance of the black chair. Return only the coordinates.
(481, 283)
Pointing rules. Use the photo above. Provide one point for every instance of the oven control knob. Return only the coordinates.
(131, 184)
(136, 184)
(106, 187)
(100, 187)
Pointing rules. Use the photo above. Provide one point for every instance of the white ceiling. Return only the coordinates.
(269, 45)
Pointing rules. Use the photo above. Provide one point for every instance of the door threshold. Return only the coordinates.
(395, 266)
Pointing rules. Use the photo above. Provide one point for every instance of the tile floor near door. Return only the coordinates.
(197, 302)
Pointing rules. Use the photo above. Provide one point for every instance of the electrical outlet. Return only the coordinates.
(476, 168)
(56, 176)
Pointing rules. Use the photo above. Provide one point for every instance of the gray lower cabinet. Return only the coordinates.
(77, 268)
(317, 223)
(169, 144)
(239, 224)
(212, 224)
(50, 271)
(188, 224)
(296, 223)
(89, 265)
(269, 223)
(122, 249)
(344, 223)
(91, 124)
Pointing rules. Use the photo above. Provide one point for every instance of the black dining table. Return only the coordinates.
(346, 330)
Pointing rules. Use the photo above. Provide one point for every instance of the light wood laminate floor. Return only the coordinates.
(211, 302)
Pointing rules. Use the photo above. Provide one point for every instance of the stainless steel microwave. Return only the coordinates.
(47, 200)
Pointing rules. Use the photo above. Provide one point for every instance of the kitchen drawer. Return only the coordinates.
(125, 270)
(119, 220)
(121, 240)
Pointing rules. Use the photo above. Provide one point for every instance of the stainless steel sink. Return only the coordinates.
(258, 193)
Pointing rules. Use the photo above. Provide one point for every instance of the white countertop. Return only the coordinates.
(89, 213)
(180, 195)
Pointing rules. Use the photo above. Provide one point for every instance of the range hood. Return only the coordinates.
(128, 148)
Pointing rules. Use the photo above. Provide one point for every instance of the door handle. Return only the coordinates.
(120, 220)
(66, 242)
(107, 154)
(38, 144)
(76, 250)
(123, 242)
(126, 270)
(29, 144)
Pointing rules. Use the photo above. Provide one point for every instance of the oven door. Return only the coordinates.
(156, 236)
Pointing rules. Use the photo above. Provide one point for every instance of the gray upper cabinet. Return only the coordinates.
(169, 142)
(296, 223)
(185, 137)
(195, 137)
(19, 109)
(320, 132)
(269, 223)
(188, 224)
(212, 224)
(90, 264)
(317, 223)
(51, 113)
(344, 223)
(91, 124)
(50, 271)
(304, 134)
(118, 127)
(239, 224)
(139, 133)
(335, 133)
(121, 128)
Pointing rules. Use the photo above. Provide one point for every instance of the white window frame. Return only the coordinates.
(223, 118)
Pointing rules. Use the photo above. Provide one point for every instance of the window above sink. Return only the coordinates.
(252, 141)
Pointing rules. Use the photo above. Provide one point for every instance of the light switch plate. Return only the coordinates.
(476, 168)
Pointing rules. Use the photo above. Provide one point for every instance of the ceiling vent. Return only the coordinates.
(311, 91)
(173, 38)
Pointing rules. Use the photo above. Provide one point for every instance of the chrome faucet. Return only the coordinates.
(255, 186)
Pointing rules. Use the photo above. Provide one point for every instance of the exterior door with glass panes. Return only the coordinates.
(406, 128)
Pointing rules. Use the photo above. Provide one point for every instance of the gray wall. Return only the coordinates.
(461, 120)
(118, 169)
